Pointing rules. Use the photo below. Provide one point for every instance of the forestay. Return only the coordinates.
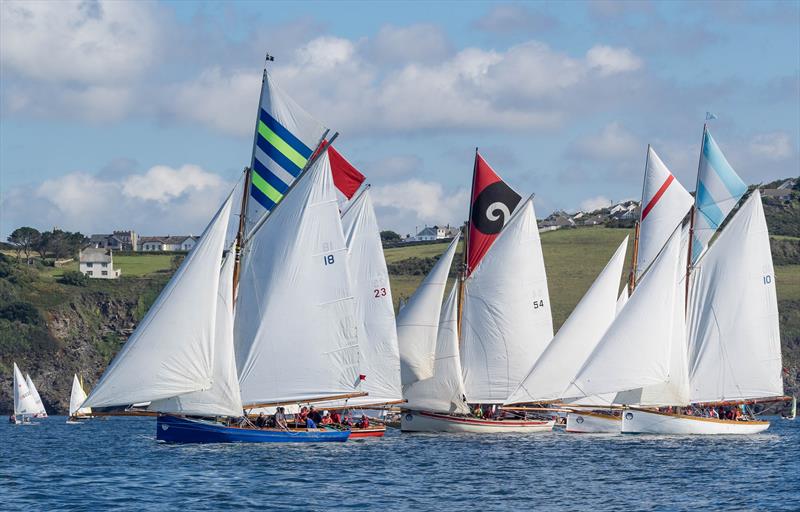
(76, 398)
(634, 352)
(506, 321)
(223, 398)
(171, 351)
(664, 204)
(418, 321)
(377, 331)
(444, 391)
(24, 402)
(295, 322)
(556, 368)
(734, 348)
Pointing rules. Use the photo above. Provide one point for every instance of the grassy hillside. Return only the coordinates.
(53, 330)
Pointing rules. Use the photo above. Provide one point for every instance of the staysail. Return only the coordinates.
(171, 352)
(556, 368)
(76, 398)
(444, 390)
(40, 411)
(295, 329)
(664, 204)
(24, 402)
(223, 397)
(506, 321)
(634, 352)
(735, 349)
(418, 321)
(377, 331)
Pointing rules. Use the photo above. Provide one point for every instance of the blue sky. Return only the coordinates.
(140, 115)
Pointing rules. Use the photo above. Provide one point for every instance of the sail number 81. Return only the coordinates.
(538, 304)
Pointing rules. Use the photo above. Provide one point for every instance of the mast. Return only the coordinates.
(637, 227)
(465, 265)
(691, 221)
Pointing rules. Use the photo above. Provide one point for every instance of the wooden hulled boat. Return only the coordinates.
(423, 421)
(643, 421)
(174, 429)
(593, 422)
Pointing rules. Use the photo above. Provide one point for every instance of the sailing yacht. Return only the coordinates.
(76, 398)
(276, 322)
(475, 348)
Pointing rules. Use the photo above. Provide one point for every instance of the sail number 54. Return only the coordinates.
(538, 304)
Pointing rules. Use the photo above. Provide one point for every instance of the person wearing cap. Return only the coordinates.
(326, 418)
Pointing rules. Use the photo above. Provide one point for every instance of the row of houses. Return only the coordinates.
(131, 241)
(620, 212)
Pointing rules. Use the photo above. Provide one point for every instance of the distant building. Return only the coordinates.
(98, 263)
(167, 243)
(432, 233)
(782, 194)
(118, 241)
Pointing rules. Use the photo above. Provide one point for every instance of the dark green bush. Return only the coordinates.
(23, 312)
(74, 278)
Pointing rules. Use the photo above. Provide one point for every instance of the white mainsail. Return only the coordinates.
(295, 329)
(171, 352)
(734, 347)
(76, 398)
(40, 410)
(444, 390)
(506, 321)
(377, 331)
(556, 368)
(223, 398)
(635, 350)
(622, 299)
(24, 401)
(664, 204)
(418, 321)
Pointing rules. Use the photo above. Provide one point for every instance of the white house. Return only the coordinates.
(98, 263)
(429, 234)
(167, 243)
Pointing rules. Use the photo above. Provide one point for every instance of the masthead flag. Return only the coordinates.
(719, 188)
(493, 202)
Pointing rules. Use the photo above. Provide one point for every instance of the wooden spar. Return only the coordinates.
(240, 231)
(305, 401)
(634, 257)
(548, 409)
(124, 413)
(465, 270)
(744, 402)
(376, 405)
(692, 213)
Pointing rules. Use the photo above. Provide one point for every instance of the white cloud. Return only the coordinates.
(772, 146)
(159, 201)
(404, 205)
(613, 142)
(101, 42)
(595, 203)
(609, 60)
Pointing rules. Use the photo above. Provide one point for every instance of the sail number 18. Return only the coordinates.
(328, 259)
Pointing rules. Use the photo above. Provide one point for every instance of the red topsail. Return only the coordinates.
(493, 202)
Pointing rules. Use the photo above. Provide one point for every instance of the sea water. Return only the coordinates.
(117, 464)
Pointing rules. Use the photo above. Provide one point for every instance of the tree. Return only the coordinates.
(24, 240)
(389, 236)
(62, 243)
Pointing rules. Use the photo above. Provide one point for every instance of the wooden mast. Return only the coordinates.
(691, 223)
(465, 266)
(637, 228)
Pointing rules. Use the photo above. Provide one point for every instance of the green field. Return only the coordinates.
(396, 254)
(131, 266)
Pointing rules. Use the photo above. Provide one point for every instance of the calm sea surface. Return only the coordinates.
(117, 464)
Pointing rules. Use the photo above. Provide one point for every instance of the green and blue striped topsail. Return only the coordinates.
(285, 138)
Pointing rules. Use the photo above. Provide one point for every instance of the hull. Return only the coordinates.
(172, 429)
(593, 423)
(420, 421)
(361, 433)
(636, 421)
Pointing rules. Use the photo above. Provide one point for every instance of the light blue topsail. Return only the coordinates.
(719, 188)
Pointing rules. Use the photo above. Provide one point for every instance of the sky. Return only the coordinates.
(140, 115)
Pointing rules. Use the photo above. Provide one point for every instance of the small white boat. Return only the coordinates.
(421, 421)
(26, 405)
(76, 398)
(638, 421)
(593, 422)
